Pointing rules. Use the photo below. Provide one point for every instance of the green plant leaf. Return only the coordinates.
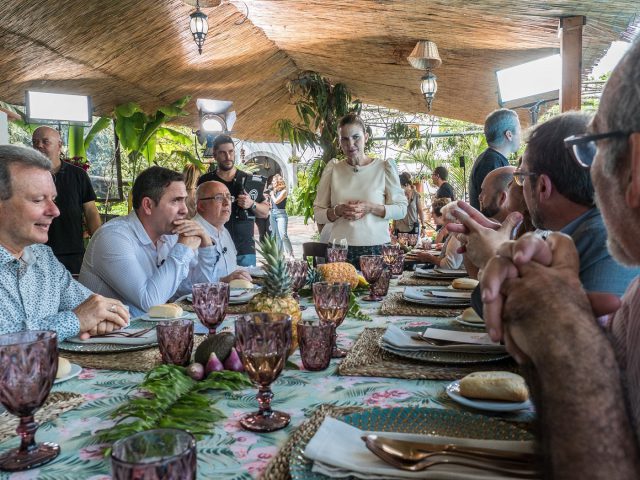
(175, 136)
(101, 124)
(127, 110)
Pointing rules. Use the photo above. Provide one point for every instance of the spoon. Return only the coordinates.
(411, 451)
(499, 466)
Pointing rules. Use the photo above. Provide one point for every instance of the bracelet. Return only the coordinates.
(335, 214)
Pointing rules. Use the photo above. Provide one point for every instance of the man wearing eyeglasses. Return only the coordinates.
(153, 254)
(246, 208)
(586, 378)
(213, 204)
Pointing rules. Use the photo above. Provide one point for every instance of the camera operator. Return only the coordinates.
(248, 206)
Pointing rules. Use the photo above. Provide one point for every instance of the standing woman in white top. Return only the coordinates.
(359, 195)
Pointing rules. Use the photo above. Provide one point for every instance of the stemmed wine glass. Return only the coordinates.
(371, 266)
(332, 304)
(390, 254)
(298, 271)
(29, 362)
(210, 302)
(336, 254)
(262, 342)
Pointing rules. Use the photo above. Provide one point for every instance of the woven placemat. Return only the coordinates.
(393, 304)
(231, 309)
(134, 361)
(412, 280)
(367, 359)
(57, 403)
(278, 467)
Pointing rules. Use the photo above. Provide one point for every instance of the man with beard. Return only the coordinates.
(493, 195)
(245, 209)
(585, 381)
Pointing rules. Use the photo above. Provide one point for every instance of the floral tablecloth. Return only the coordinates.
(229, 452)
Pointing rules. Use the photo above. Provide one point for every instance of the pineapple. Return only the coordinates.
(276, 294)
(339, 272)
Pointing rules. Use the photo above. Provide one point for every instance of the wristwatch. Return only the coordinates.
(253, 207)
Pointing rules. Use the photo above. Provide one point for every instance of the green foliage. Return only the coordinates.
(354, 309)
(171, 399)
(301, 199)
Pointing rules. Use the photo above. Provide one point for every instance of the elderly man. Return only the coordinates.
(586, 382)
(36, 292)
(154, 253)
(559, 197)
(493, 195)
(213, 204)
(246, 208)
(75, 199)
(502, 131)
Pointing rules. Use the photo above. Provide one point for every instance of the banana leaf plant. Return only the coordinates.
(78, 143)
(140, 133)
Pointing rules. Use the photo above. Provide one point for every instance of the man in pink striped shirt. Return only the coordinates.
(585, 379)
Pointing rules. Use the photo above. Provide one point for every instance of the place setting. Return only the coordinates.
(414, 442)
(439, 273)
(491, 391)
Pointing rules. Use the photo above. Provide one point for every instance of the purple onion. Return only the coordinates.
(213, 364)
(233, 362)
(196, 371)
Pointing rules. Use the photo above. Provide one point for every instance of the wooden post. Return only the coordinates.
(570, 32)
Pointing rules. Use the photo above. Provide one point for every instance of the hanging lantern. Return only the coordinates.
(428, 87)
(425, 56)
(199, 27)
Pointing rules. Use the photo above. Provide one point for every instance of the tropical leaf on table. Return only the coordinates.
(354, 309)
(170, 398)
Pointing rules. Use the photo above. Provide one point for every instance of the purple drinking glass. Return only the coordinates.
(298, 271)
(210, 302)
(390, 253)
(332, 304)
(371, 266)
(381, 286)
(160, 454)
(412, 239)
(316, 340)
(398, 266)
(175, 341)
(263, 341)
(336, 254)
(29, 362)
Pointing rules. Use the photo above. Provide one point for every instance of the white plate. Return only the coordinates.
(75, 371)
(257, 272)
(453, 390)
(451, 294)
(243, 298)
(239, 292)
(147, 318)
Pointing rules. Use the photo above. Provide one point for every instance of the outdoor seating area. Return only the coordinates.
(281, 240)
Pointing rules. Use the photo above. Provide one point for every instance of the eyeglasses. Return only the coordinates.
(219, 198)
(583, 147)
(519, 176)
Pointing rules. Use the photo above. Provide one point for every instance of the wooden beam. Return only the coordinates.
(570, 32)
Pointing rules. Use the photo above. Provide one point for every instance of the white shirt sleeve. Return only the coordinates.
(395, 199)
(323, 195)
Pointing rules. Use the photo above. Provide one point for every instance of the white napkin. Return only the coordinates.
(146, 339)
(402, 340)
(476, 338)
(338, 451)
(424, 294)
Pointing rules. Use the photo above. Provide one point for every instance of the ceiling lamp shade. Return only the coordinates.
(199, 27)
(425, 56)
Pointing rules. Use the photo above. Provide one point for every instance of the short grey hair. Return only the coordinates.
(13, 154)
(619, 106)
(497, 123)
(200, 188)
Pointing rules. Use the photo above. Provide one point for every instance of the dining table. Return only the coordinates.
(228, 451)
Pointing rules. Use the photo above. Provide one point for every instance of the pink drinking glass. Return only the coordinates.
(398, 266)
(316, 341)
(263, 341)
(371, 266)
(336, 254)
(29, 362)
(210, 302)
(332, 304)
(175, 341)
(380, 287)
(298, 271)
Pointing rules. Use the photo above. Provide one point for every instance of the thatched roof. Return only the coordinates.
(124, 50)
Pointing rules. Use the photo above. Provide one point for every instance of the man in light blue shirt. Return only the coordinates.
(153, 254)
(36, 290)
(213, 203)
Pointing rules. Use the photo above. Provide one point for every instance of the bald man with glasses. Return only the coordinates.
(213, 204)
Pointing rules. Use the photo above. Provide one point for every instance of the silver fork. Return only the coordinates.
(436, 342)
(123, 333)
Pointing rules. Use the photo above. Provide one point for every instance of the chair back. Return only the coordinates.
(316, 250)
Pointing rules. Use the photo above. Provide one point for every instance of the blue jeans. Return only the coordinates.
(248, 260)
(279, 225)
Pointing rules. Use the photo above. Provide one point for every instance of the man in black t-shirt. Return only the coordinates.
(249, 204)
(75, 199)
(502, 131)
(439, 179)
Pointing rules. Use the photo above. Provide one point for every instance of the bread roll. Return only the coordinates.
(168, 310)
(240, 283)
(64, 367)
(505, 386)
(464, 283)
(470, 315)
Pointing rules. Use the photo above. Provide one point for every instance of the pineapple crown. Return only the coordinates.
(277, 280)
